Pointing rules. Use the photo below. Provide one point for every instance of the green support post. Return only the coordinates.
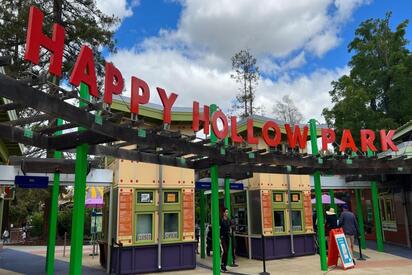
(332, 200)
(318, 192)
(376, 212)
(215, 205)
(76, 246)
(202, 225)
(359, 212)
(228, 204)
(51, 244)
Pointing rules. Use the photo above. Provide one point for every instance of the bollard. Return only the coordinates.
(360, 251)
(264, 257)
(64, 244)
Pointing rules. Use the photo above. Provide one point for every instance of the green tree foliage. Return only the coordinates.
(247, 74)
(84, 23)
(378, 91)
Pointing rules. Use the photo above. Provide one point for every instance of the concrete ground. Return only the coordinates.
(31, 259)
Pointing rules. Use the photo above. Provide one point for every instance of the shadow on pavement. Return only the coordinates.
(392, 249)
(27, 263)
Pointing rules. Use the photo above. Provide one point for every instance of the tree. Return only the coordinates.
(377, 92)
(84, 23)
(286, 111)
(247, 74)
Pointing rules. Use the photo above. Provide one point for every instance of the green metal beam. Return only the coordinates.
(376, 212)
(51, 244)
(359, 212)
(318, 192)
(76, 249)
(332, 200)
(214, 174)
(202, 224)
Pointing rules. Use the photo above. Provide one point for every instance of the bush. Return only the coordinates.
(36, 224)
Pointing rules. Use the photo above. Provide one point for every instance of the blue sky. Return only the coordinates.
(185, 46)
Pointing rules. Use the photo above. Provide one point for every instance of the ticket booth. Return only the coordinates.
(282, 215)
(153, 218)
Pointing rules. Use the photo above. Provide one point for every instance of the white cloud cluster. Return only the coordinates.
(194, 59)
(118, 8)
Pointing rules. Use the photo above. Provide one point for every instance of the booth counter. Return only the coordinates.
(152, 218)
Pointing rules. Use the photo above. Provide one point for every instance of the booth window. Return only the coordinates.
(171, 226)
(278, 197)
(171, 197)
(144, 227)
(144, 197)
(279, 220)
(297, 220)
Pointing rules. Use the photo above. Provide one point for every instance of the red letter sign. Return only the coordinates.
(347, 141)
(367, 137)
(197, 118)
(233, 127)
(296, 136)
(272, 142)
(84, 71)
(220, 134)
(328, 136)
(167, 104)
(113, 83)
(251, 139)
(387, 140)
(36, 38)
(136, 98)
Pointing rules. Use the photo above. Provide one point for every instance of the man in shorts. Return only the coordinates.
(349, 225)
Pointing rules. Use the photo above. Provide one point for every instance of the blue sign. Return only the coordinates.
(344, 251)
(200, 185)
(31, 181)
(203, 185)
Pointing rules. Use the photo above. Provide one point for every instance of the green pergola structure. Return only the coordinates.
(106, 131)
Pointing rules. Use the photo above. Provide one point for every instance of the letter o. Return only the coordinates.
(220, 134)
(272, 142)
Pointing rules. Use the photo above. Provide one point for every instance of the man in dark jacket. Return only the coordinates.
(349, 225)
(224, 237)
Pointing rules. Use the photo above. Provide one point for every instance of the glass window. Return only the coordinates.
(295, 197)
(279, 220)
(144, 227)
(171, 226)
(390, 216)
(144, 197)
(297, 220)
(171, 197)
(277, 197)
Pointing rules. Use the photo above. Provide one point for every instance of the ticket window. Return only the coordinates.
(172, 208)
(144, 218)
(279, 212)
(239, 212)
(297, 211)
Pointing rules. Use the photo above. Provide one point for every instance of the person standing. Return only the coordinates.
(331, 222)
(6, 236)
(224, 237)
(349, 225)
(209, 240)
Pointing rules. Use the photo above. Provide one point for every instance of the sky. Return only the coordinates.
(185, 46)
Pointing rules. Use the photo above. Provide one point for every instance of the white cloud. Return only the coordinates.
(118, 8)
(194, 60)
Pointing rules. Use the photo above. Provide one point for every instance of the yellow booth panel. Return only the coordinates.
(299, 182)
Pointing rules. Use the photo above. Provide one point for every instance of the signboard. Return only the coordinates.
(8, 192)
(339, 248)
(31, 181)
(200, 185)
(125, 212)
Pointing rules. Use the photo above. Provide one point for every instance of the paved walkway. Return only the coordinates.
(30, 260)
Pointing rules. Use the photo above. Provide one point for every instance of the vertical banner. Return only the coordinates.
(125, 211)
(307, 205)
(267, 212)
(188, 214)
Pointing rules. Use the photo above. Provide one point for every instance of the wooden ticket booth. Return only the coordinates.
(153, 218)
(282, 215)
